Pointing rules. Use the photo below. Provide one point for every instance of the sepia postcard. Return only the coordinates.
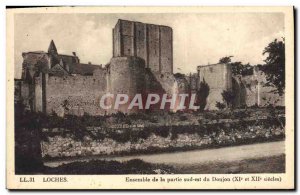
(165, 98)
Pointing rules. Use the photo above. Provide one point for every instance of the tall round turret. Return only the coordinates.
(127, 76)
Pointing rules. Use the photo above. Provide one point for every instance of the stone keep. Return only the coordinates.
(152, 43)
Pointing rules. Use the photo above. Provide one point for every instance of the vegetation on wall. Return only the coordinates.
(238, 68)
(241, 69)
(225, 60)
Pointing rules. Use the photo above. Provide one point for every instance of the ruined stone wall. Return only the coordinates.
(194, 83)
(219, 78)
(21, 90)
(182, 86)
(250, 84)
(31, 61)
(167, 81)
(153, 43)
(152, 85)
(257, 93)
(75, 94)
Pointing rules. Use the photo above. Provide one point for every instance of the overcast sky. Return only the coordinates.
(198, 39)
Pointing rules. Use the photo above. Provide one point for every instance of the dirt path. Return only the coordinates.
(217, 155)
(225, 154)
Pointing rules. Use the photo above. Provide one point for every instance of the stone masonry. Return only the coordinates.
(153, 43)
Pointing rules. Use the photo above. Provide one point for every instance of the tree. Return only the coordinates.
(220, 105)
(225, 60)
(228, 97)
(275, 65)
(202, 94)
(241, 69)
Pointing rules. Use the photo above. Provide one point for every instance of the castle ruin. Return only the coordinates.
(142, 63)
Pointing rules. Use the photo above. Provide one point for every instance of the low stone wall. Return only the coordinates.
(67, 146)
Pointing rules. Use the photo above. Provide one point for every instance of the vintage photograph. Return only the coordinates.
(151, 93)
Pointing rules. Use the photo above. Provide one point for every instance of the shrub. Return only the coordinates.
(220, 105)
(183, 118)
(202, 94)
(228, 97)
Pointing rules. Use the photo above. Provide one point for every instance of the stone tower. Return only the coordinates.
(52, 48)
(152, 43)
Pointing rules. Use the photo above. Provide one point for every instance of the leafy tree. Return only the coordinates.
(275, 65)
(237, 67)
(241, 69)
(228, 97)
(202, 94)
(225, 60)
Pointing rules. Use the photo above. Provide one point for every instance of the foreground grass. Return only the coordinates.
(102, 167)
(273, 164)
